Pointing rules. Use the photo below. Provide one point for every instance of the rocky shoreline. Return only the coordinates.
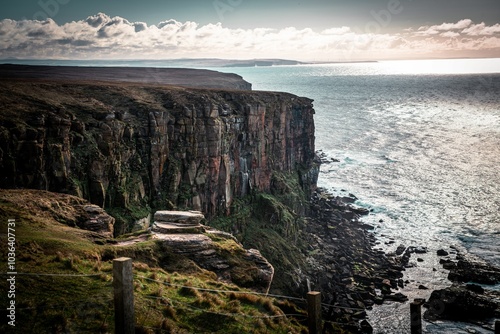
(345, 267)
(354, 274)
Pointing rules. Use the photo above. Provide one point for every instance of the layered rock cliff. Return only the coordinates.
(134, 147)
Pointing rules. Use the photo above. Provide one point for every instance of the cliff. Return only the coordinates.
(131, 147)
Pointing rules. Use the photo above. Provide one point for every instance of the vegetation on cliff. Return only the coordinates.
(274, 223)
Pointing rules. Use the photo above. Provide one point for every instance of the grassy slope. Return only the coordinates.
(84, 304)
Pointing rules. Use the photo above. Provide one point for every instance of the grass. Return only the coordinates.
(171, 293)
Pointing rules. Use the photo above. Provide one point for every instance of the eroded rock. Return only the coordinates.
(97, 220)
(246, 268)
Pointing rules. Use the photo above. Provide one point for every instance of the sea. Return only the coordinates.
(418, 143)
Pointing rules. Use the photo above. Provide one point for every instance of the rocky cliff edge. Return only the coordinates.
(129, 147)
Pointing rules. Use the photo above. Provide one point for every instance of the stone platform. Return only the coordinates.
(170, 222)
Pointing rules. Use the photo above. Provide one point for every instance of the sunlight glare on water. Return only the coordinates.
(413, 67)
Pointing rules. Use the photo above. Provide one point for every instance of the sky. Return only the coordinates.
(314, 30)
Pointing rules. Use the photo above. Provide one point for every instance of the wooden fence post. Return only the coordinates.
(314, 312)
(416, 316)
(123, 286)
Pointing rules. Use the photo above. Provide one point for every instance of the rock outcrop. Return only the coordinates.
(216, 251)
(466, 300)
(168, 222)
(225, 257)
(463, 303)
(65, 209)
(134, 147)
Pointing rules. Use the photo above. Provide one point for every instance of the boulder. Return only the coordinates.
(442, 252)
(97, 220)
(179, 217)
(460, 303)
(470, 270)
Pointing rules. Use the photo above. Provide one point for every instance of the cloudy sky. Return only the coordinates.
(313, 30)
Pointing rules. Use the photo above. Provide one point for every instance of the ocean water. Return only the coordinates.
(418, 143)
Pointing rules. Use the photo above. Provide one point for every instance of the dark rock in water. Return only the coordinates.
(420, 250)
(397, 297)
(475, 288)
(400, 250)
(423, 287)
(360, 211)
(348, 199)
(420, 260)
(442, 252)
(458, 303)
(448, 264)
(468, 270)
(365, 327)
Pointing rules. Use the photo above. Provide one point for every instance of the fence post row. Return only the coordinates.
(123, 285)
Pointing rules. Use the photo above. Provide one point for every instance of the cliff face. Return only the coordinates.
(135, 147)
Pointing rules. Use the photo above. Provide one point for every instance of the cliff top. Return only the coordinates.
(185, 77)
(20, 95)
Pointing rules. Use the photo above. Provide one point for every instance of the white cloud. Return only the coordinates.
(482, 29)
(336, 31)
(454, 26)
(450, 34)
(100, 37)
(437, 29)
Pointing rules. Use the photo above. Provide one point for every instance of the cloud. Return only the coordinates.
(103, 37)
(336, 31)
(482, 30)
(450, 34)
(97, 20)
(437, 29)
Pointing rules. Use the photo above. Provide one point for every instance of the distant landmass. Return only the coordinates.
(176, 63)
(183, 62)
